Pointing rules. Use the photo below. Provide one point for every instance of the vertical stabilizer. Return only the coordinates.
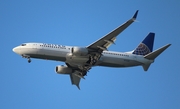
(146, 46)
(146, 67)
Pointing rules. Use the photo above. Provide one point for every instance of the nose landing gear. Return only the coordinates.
(29, 60)
(28, 57)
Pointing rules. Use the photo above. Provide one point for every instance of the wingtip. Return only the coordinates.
(169, 45)
(78, 87)
(135, 15)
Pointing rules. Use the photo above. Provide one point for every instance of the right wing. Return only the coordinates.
(103, 43)
(99, 46)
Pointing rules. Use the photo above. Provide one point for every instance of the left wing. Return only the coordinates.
(103, 43)
(75, 80)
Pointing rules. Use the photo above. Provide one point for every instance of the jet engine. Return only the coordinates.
(63, 70)
(79, 51)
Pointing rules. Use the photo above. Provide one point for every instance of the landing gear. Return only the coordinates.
(83, 73)
(29, 60)
(27, 57)
(83, 70)
(92, 60)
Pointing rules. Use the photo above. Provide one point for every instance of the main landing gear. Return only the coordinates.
(92, 60)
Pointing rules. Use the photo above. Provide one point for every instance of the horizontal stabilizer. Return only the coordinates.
(154, 54)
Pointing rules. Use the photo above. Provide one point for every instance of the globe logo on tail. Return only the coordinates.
(142, 49)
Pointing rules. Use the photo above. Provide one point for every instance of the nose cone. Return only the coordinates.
(16, 50)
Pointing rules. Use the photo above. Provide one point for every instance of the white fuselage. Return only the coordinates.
(63, 53)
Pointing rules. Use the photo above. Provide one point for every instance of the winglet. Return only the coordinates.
(135, 15)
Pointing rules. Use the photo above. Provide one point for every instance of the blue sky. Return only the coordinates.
(36, 85)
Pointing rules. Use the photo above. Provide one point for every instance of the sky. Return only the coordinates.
(79, 23)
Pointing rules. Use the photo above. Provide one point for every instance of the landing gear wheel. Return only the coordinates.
(94, 60)
(29, 60)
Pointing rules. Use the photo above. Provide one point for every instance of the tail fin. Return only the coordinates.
(146, 66)
(146, 46)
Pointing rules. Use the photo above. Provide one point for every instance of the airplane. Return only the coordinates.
(79, 60)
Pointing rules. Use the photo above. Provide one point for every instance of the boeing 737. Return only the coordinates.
(79, 60)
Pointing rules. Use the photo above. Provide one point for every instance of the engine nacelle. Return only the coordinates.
(79, 51)
(63, 70)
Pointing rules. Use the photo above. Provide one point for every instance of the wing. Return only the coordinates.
(97, 47)
(75, 80)
(103, 43)
(78, 73)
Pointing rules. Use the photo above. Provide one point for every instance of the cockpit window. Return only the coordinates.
(23, 44)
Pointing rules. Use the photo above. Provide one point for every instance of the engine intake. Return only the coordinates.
(63, 70)
(79, 51)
